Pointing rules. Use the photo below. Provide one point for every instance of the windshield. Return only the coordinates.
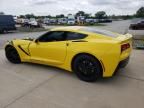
(71, 19)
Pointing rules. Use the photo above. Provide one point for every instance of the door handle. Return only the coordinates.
(67, 44)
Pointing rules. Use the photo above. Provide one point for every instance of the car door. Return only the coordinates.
(49, 48)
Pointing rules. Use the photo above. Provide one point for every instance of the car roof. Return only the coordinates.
(87, 30)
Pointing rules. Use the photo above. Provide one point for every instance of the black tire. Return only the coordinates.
(2, 31)
(12, 55)
(87, 68)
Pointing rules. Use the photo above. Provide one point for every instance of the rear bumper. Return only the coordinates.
(123, 63)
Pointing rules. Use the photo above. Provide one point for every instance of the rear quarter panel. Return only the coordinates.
(106, 51)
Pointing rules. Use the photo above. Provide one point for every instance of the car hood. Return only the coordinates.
(17, 42)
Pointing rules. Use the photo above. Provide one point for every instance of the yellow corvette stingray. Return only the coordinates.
(89, 52)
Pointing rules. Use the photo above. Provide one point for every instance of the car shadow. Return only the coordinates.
(114, 79)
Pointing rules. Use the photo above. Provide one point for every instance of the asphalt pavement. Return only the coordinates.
(36, 86)
(29, 85)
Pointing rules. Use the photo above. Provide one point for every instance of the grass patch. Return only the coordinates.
(26, 29)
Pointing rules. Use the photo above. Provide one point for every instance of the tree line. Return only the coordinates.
(99, 15)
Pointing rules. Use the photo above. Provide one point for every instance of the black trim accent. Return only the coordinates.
(102, 65)
(79, 41)
(123, 63)
(23, 50)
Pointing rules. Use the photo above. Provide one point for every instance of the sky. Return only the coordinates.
(55, 7)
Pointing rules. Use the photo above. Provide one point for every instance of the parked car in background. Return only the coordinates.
(90, 21)
(7, 23)
(96, 20)
(137, 26)
(71, 19)
(80, 20)
(19, 21)
(30, 23)
(105, 20)
(62, 21)
(53, 21)
(25, 23)
(33, 23)
(46, 21)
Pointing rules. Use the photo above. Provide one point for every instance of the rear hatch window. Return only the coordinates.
(100, 31)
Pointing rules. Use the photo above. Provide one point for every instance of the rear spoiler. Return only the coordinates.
(128, 35)
(124, 38)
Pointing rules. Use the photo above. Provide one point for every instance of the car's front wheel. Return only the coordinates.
(87, 68)
(12, 55)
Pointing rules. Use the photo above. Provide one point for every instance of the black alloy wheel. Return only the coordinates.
(87, 68)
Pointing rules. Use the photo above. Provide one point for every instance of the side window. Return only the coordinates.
(75, 36)
(52, 36)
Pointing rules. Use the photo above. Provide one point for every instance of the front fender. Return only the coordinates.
(22, 47)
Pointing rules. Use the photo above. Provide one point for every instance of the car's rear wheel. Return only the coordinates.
(12, 55)
(87, 68)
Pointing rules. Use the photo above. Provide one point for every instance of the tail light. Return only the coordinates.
(125, 46)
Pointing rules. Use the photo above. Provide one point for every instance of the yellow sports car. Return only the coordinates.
(89, 52)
